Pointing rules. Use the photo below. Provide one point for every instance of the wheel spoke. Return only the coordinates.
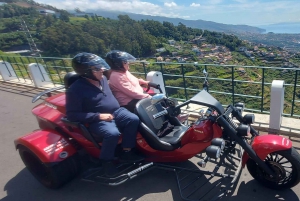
(276, 157)
(269, 158)
(285, 162)
(290, 172)
(285, 166)
(280, 159)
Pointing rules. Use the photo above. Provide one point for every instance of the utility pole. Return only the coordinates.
(33, 48)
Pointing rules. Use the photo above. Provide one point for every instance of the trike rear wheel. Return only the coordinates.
(53, 176)
(285, 163)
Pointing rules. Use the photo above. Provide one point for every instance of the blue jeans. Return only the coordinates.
(125, 122)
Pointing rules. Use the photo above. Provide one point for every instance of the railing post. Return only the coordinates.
(144, 67)
(26, 69)
(163, 77)
(184, 84)
(57, 72)
(276, 105)
(9, 60)
(294, 93)
(39, 75)
(6, 71)
(39, 67)
(262, 90)
(232, 83)
(20, 70)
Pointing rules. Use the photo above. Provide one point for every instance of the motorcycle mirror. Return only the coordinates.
(201, 112)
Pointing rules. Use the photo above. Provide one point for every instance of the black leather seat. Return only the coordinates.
(149, 127)
(69, 79)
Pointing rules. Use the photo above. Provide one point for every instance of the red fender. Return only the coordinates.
(47, 145)
(266, 144)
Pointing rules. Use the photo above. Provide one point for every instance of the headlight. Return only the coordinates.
(249, 119)
(243, 130)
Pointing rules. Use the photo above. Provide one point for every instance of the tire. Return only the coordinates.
(51, 176)
(285, 163)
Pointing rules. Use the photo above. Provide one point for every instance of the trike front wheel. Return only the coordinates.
(285, 163)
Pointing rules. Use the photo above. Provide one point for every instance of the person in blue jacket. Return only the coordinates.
(90, 100)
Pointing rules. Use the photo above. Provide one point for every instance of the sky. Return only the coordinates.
(248, 12)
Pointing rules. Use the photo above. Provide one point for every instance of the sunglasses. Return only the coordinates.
(98, 68)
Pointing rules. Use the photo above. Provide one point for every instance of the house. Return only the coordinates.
(174, 54)
(171, 42)
(241, 70)
(159, 59)
(46, 12)
(181, 60)
(178, 47)
(162, 49)
(242, 49)
(248, 53)
(195, 49)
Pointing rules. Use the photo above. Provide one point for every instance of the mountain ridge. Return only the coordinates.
(199, 24)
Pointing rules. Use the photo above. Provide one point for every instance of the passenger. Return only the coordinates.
(90, 100)
(125, 86)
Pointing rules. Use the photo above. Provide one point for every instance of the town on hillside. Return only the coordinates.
(202, 52)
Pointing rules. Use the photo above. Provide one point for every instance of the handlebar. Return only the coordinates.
(160, 114)
(154, 85)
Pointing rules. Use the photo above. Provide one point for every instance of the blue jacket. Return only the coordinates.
(85, 101)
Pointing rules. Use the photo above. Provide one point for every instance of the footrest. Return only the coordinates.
(127, 171)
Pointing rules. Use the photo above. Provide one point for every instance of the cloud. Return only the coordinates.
(232, 12)
(195, 5)
(172, 4)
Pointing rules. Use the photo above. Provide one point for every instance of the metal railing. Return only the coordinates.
(228, 83)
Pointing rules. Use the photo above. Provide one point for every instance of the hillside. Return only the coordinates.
(199, 24)
(66, 35)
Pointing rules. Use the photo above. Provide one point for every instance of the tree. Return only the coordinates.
(64, 16)
(87, 17)
(77, 10)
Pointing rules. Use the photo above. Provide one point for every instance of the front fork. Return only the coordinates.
(232, 133)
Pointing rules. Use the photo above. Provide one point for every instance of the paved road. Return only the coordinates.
(17, 183)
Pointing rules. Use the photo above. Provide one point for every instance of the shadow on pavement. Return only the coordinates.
(252, 190)
(24, 187)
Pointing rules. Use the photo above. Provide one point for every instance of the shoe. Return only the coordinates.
(130, 157)
(109, 168)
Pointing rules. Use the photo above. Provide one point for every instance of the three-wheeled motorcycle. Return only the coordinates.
(222, 139)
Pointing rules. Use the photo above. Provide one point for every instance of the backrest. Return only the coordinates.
(70, 78)
(145, 111)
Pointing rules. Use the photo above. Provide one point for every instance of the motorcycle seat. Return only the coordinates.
(70, 78)
(85, 132)
(149, 127)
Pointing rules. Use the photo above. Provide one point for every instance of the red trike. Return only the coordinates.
(53, 153)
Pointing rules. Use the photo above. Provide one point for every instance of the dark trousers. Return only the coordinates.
(131, 105)
(125, 122)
